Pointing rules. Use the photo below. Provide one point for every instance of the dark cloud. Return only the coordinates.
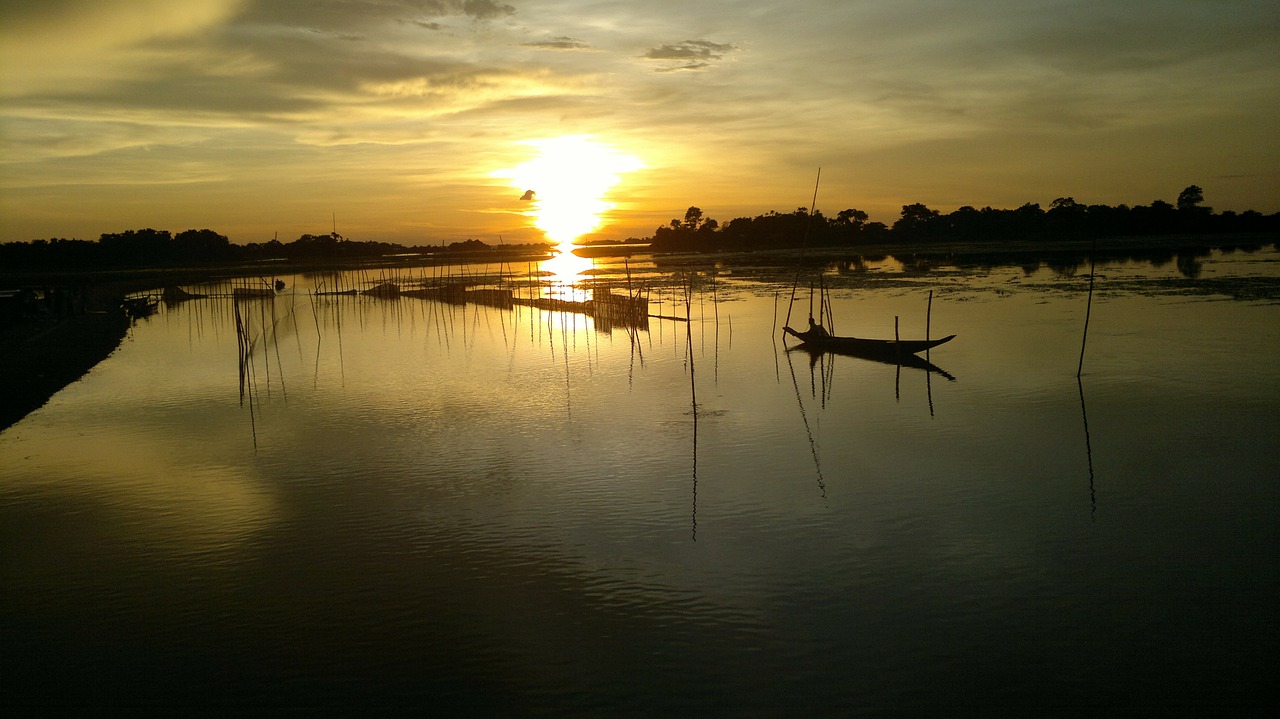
(280, 77)
(330, 34)
(486, 9)
(703, 50)
(371, 13)
(559, 43)
(689, 55)
(269, 65)
(691, 67)
(476, 9)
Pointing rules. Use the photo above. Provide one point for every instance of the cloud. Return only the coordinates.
(691, 67)
(690, 50)
(559, 43)
(331, 34)
(256, 62)
(369, 15)
(689, 55)
(61, 41)
(486, 9)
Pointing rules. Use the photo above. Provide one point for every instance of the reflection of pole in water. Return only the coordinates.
(693, 398)
(564, 350)
(804, 418)
(275, 342)
(244, 349)
(777, 367)
(928, 383)
(240, 354)
(315, 316)
(828, 377)
(637, 348)
(695, 471)
(688, 301)
(897, 377)
(297, 331)
(928, 386)
(715, 307)
(1088, 451)
(342, 367)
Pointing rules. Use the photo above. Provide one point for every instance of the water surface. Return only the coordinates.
(402, 501)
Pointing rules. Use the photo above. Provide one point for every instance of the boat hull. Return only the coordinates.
(865, 347)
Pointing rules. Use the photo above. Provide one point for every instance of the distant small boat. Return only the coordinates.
(819, 339)
(249, 293)
(139, 307)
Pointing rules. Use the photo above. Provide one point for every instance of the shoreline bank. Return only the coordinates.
(40, 357)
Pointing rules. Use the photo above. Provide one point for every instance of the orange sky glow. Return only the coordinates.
(422, 121)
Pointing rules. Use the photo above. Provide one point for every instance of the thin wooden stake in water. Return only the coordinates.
(928, 313)
(897, 348)
(1088, 308)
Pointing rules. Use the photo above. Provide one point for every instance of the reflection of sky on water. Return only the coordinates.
(443, 371)
(505, 497)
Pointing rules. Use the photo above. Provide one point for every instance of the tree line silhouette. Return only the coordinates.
(160, 248)
(918, 226)
(1065, 219)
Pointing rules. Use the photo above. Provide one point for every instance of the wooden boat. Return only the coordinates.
(908, 360)
(819, 339)
(252, 293)
(139, 307)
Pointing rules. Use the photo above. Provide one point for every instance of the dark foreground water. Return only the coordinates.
(405, 502)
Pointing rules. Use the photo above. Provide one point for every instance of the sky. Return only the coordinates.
(421, 121)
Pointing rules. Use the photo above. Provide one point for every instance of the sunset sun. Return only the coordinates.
(566, 182)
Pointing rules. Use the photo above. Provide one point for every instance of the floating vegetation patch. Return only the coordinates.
(1248, 289)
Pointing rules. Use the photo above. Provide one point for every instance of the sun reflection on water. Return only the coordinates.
(564, 274)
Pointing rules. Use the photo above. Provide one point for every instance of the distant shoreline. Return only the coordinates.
(1024, 250)
(138, 279)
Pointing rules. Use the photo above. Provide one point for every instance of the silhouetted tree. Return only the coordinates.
(469, 246)
(851, 218)
(200, 245)
(692, 218)
(1194, 217)
(965, 223)
(137, 247)
(917, 222)
(1066, 217)
(1190, 199)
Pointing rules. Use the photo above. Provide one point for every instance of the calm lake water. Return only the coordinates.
(520, 511)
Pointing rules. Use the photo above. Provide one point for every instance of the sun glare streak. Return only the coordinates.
(566, 184)
(566, 271)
